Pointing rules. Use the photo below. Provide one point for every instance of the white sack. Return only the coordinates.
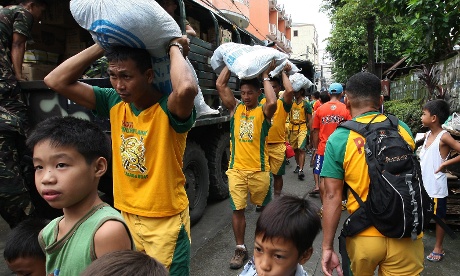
(299, 81)
(246, 61)
(132, 23)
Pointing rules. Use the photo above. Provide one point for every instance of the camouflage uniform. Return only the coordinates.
(15, 201)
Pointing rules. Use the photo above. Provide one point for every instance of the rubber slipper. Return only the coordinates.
(435, 257)
(313, 192)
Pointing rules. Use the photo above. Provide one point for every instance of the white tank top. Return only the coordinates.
(430, 160)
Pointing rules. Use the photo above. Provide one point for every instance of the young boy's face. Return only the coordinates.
(277, 257)
(63, 177)
(27, 266)
(426, 118)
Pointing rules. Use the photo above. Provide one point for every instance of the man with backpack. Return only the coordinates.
(350, 157)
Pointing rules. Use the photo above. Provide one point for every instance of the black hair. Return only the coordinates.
(85, 136)
(291, 218)
(364, 86)
(38, 2)
(253, 82)
(440, 108)
(141, 57)
(22, 241)
(301, 90)
(316, 95)
(125, 263)
(324, 97)
(276, 79)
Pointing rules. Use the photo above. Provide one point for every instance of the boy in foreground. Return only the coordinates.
(70, 156)
(284, 236)
(434, 157)
(22, 253)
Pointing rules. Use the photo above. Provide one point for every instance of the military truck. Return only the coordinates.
(207, 151)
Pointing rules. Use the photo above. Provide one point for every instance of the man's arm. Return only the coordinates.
(64, 78)
(111, 236)
(288, 95)
(225, 93)
(184, 84)
(271, 98)
(18, 49)
(332, 209)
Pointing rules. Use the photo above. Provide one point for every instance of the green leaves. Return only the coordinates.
(424, 31)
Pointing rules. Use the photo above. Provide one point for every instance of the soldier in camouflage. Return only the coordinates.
(15, 29)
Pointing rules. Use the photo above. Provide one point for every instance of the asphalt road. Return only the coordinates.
(213, 242)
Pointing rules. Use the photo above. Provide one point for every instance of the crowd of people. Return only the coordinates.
(152, 237)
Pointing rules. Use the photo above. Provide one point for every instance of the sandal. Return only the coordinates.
(435, 257)
(314, 192)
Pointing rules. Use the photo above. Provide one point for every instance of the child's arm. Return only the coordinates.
(111, 236)
(448, 141)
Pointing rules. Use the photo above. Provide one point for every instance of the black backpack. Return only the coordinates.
(397, 204)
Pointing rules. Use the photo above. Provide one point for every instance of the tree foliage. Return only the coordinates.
(436, 24)
(348, 44)
(423, 31)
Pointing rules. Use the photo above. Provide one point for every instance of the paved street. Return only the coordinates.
(213, 241)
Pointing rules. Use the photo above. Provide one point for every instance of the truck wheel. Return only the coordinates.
(218, 155)
(197, 180)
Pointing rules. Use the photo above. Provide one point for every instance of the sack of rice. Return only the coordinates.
(299, 81)
(246, 61)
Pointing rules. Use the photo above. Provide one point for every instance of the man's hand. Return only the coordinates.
(287, 68)
(185, 42)
(329, 262)
(270, 68)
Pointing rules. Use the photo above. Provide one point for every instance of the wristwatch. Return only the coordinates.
(181, 49)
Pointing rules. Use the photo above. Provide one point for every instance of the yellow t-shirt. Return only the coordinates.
(298, 115)
(248, 138)
(277, 132)
(147, 147)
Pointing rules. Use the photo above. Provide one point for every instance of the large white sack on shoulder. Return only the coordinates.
(280, 68)
(299, 81)
(245, 61)
(307, 84)
(132, 23)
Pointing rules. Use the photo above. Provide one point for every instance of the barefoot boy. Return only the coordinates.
(70, 156)
(433, 161)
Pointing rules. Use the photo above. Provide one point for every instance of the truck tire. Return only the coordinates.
(218, 155)
(197, 180)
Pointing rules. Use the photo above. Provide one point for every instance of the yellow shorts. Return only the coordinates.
(166, 239)
(258, 184)
(298, 139)
(393, 256)
(277, 158)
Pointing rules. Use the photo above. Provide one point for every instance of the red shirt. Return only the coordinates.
(327, 117)
(317, 104)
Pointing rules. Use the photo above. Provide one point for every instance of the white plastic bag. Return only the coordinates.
(453, 122)
(299, 81)
(133, 23)
(246, 61)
